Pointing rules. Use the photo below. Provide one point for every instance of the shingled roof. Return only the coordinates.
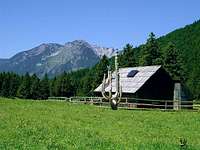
(131, 84)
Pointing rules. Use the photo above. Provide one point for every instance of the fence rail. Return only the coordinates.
(131, 103)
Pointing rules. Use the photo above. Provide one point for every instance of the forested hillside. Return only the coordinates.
(187, 40)
(178, 52)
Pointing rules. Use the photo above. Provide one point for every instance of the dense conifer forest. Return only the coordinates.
(178, 52)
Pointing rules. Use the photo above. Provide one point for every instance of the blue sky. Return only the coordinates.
(111, 23)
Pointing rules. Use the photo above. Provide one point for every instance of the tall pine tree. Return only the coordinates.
(173, 62)
(100, 70)
(13, 84)
(35, 87)
(52, 87)
(24, 88)
(151, 54)
(6, 85)
(44, 88)
(66, 86)
(128, 58)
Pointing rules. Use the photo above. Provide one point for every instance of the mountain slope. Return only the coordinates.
(187, 39)
(2, 61)
(100, 51)
(53, 58)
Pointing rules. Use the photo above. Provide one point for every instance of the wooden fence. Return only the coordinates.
(132, 103)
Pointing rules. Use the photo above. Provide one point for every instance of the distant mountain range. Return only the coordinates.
(54, 59)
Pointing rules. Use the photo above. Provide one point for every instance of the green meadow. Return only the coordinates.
(28, 124)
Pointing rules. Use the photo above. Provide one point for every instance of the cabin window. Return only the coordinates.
(132, 73)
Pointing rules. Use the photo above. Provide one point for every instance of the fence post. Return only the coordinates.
(91, 101)
(177, 96)
(165, 105)
(126, 102)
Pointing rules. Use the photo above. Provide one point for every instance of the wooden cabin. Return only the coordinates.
(146, 82)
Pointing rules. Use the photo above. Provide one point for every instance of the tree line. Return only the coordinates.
(26, 87)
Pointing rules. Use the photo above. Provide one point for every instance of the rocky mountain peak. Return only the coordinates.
(53, 58)
(77, 43)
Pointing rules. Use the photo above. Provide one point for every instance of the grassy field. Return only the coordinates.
(60, 125)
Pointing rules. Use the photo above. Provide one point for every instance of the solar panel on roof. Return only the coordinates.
(132, 73)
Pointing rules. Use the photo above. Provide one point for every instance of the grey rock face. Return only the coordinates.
(100, 51)
(54, 59)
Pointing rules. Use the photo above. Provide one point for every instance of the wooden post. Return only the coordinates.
(126, 102)
(165, 105)
(177, 96)
(91, 101)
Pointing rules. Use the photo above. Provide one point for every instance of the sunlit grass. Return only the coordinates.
(61, 125)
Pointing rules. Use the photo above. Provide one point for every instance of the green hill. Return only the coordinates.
(187, 40)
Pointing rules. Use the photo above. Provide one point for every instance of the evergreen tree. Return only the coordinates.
(35, 87)
(87, 86)
(52, 87)
(173, 62)
(76, 80)
(24, 88)
(57, 86)
(66, 87)
(44, 88)
(5, 85)
(193, 74)
(100, 70)
(194, 82)
(151, 52)
(1, 82)
(9, 83)
(128, 58)
(13, 84)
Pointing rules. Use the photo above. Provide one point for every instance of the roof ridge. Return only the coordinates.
(143, 66)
